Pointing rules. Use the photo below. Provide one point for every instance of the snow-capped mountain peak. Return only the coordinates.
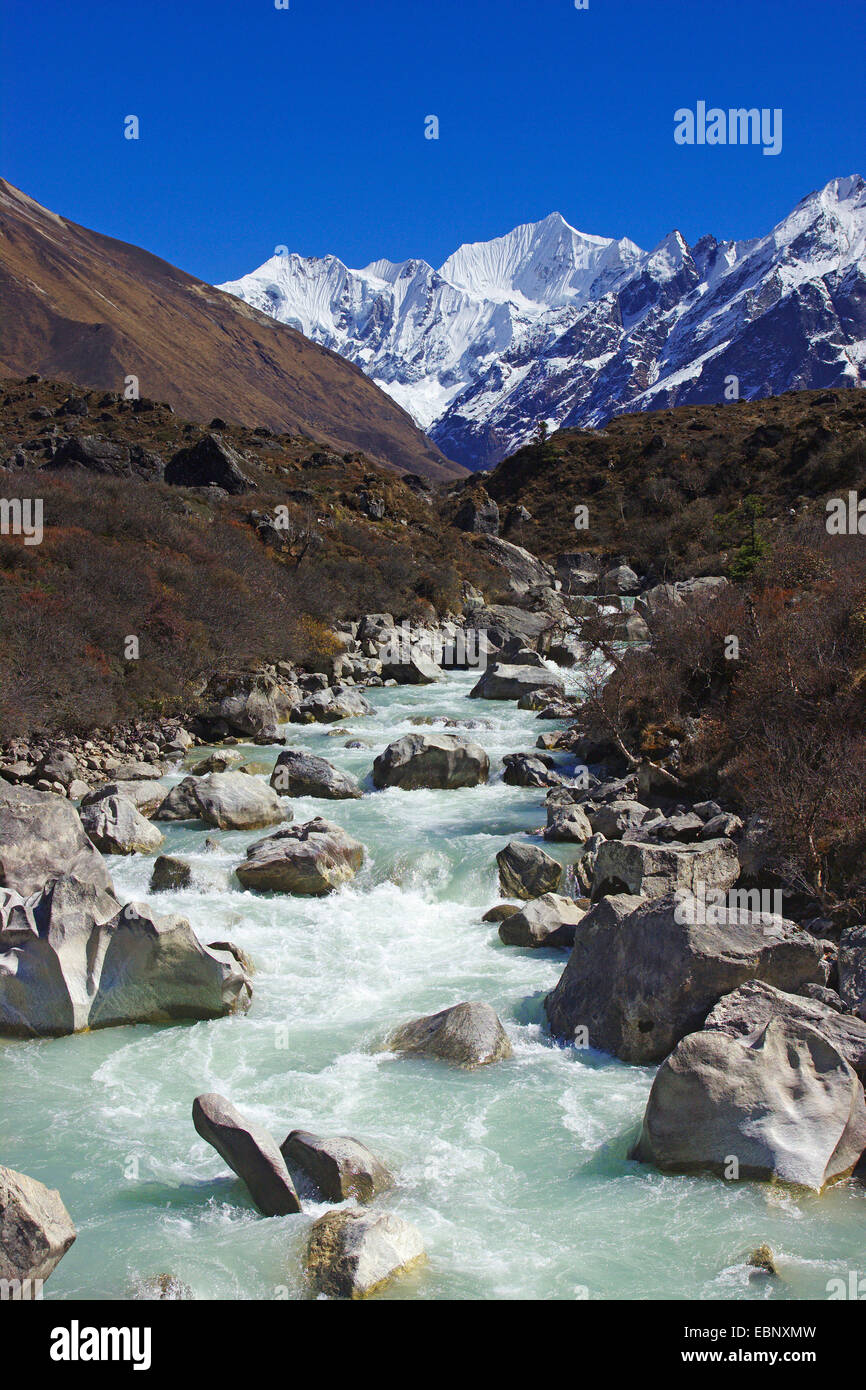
(546, 322)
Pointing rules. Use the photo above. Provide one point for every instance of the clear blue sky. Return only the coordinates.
(305, 127)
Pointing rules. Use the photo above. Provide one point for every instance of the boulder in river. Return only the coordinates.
(180, 802)
(467, 1035)
(41, 837)
(749, 1009)
(502, 682)
(567, 823)
(298, 773)
(234, 801)
(778, 1105)
(352, 1253)
(308, 860)
(439, 761)
(330, 706)
(170, 874)
(651, 871)
(525, 871)
(36, 1230)
(530, 770)
(146, 797)
(340, 1167)
(72, 958)
(116, 827)
(250, 1151)
(550, 920)
(638, 979)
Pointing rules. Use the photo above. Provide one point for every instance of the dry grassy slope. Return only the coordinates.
(656, 483)
(86, 308)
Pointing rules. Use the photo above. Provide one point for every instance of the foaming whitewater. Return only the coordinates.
(517, 1175)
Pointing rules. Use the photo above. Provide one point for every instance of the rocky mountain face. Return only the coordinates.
(548, 325)
(95, 311)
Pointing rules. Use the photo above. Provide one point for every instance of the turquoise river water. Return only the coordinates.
(517, 1174)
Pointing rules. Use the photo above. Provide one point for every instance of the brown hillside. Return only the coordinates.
(88, 309)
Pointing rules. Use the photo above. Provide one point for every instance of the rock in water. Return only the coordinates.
(180, 802)
(298, 773)
(502, 682)
(749, 1009)
(639, 980)
(525, 871)
(41, 837)
(309, 860)
(439, 761)
(352, 1253)
(116, 827)
(468, 1035)
(170, 874)
(250, 1151)
(550, 920)
(234, 801)
(71, 958)
(782, 1103)
(36, 1230)
(340, 1167)
(146, 797)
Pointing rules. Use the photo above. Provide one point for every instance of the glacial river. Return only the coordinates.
(517, 1175)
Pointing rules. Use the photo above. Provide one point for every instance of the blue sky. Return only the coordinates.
(305, 127)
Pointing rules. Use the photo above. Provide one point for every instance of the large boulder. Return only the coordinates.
(639, 978)
(525, 871)
(116, 827)
(308, 860)
(235, 801)
(170, 874)
(567, 823)
(467, 1035)
(330, 706)
(675, 595)
(340, 1167)
(407, 662)
(298, 773)
(352, 1253)
(613, 818)
(208, 463)
(41, 837)
(852, 969)
(551, 920)
(651, 871)
(479, 514)
(502, 682)
(530, 770)
(36, 1230)
(781, 1104)
(521, 569)
(72, 958)
(749, 1009)
(146, 797)
(250, 1151)
(250, 703)
(180, 803)
(442, 761)
(620, 580)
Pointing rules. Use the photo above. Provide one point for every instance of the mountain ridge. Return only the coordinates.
(89, 308)
(550, 324)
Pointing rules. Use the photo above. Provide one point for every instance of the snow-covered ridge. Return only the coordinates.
(550, 323)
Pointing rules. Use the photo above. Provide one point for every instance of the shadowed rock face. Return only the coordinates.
(41, 837)
(442, 761)
(467, 1035)
(782, 1102)
(852, 970)
(250, 1151)
(339, 1167)
(638, 980)
(352, 1253)
(309, 860)
(73, 958)
(298, 773)
(35, 1228)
